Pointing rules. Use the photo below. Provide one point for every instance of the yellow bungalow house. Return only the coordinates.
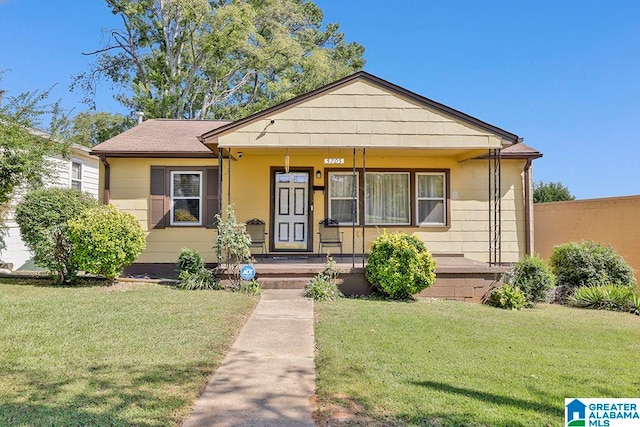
(361, 151)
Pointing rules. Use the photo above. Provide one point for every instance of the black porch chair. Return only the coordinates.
(330, 235)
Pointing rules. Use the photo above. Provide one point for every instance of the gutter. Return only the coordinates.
(527, 208)
(107, 179)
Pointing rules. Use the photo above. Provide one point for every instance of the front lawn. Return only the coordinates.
(118, 356)
(444, 363)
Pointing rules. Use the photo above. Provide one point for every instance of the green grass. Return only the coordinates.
(120, 356)
(443, 363)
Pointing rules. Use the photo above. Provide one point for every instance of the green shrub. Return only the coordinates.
(534, 278)
(201, 279)
(399, 265)
(251, 287)
(590, 264)
(324, 286)
(189, 262)
(106, 239)
(635, 304)
(232, 244)
(604, 297)
(507, 296)
(42, 216)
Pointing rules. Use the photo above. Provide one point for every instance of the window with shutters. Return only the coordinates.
(183, 196)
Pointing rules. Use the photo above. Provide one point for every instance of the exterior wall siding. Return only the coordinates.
(129, 191)
(16, 252)
(360, 114)
(613, 221)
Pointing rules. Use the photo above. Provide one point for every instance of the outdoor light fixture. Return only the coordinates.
(318, 174)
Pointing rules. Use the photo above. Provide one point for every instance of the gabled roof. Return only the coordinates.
(364, 76)
(160, 138)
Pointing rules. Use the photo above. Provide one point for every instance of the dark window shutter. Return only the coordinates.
(159, 203)
(211, 196)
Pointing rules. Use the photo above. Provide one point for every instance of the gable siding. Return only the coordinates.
(360, 114)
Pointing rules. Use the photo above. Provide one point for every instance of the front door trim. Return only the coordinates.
(309, 205)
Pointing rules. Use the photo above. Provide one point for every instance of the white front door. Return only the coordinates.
(291, 211)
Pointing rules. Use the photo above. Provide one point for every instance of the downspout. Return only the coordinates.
(527, 208)
(107, 179)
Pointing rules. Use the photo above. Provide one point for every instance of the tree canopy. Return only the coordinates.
(90, 128)
(551, 192)
(208, 59)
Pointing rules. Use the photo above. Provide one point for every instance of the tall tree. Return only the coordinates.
(218, 58)
(551, 192)
(24, 148)
(90, 128)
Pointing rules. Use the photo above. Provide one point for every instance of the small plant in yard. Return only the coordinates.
(232, 244)
(507, 296)
(399, 265)
(189, 262)
(590, 264)
(201, 279)
(106, 239)
(324, 286)
(534, 278)
(605, 297)
(251, 287)
(42, 216)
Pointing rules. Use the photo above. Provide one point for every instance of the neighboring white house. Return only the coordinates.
(80, 171)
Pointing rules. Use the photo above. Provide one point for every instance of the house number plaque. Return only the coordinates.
(334, 161)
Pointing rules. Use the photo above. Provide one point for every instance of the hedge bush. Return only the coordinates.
(590, 264)
(534, 278)
(189, 262)
(42, 216)
(399, 265)
(106, 239)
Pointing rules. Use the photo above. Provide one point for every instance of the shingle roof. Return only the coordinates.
(160, 137)
(520, 150)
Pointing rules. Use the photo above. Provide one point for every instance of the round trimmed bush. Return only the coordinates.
(42, 216)
(106, 239)
(507, 297)
(590, 264)
(534, 278)
(399, 265)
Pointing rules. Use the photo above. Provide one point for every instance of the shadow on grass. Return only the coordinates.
(103, 395)
(519, 404)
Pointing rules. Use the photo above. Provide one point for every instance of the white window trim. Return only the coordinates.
(172, 198)
(408, 175)
(71, 178)
(443, 199)
(357, 198)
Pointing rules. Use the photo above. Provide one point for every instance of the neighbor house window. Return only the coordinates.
(431, 198)
(186, 198)
(76, 175)
(387, 198)
(342, 188)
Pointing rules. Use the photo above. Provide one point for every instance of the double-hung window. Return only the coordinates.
(76, 175)
(342, 204)
(186, 198)
(431, 198)
(387, 198)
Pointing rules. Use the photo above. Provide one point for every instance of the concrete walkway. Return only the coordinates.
(268, 377)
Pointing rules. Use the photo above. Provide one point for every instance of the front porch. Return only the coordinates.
(457, 277)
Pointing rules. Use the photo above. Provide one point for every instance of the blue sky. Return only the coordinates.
(565, 75)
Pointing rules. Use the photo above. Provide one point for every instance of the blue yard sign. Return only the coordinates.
(247, 272)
